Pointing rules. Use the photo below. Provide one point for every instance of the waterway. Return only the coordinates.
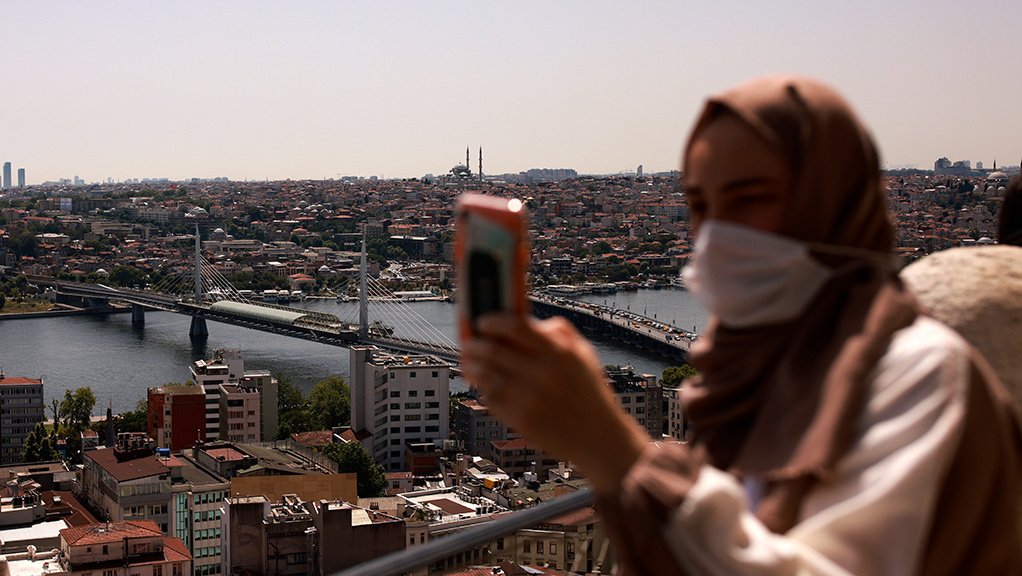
(120, 361)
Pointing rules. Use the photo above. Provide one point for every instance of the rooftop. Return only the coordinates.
(17, 380)
(129, 469)
(105, 533)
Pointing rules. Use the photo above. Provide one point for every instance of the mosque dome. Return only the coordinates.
(998, 175)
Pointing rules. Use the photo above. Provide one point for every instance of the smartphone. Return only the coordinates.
(491, 254)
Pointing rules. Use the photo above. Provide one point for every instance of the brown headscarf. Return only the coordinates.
(782, 401)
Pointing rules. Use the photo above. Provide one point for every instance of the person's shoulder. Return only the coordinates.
(926, 336)
(924, 359)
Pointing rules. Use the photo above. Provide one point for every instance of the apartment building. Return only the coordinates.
(127, 482)
(177, 416)
(239, 413)
(21, 408)
(399, 400)
(266, 385)
(226, 367)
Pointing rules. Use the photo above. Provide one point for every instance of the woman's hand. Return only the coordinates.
(545, 380)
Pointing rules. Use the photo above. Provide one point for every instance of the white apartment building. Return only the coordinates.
(398, 400)
(239, 413)
(226, 367)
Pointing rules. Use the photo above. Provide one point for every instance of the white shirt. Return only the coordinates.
(875, 516)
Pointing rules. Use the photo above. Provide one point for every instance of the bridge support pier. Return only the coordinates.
(198, 330)
(137, 315)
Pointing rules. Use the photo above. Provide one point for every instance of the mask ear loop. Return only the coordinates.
(889, 262)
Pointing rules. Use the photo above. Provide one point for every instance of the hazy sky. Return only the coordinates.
(254, 90)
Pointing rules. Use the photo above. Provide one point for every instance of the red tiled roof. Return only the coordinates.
(175, 550)
(129, 469)
(314, 438)
(105, 533)
(80, 516)
(11, 380)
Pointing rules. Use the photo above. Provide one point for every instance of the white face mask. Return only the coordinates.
(747, 277)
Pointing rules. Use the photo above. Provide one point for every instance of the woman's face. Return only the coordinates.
(732, 174)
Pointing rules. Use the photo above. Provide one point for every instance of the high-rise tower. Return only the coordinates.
(21, 177)
(7, 175)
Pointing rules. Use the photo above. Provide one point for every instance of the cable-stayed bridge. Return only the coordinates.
(204, 293)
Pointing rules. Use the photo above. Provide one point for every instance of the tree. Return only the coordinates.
(40, 446)
(128, 276)
(293, 413)
(77, 407)
(675, 375)
(352, 457)
(330, 402)
(76, 410)
(289, 396)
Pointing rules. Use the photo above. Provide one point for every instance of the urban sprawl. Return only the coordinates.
(236, 470)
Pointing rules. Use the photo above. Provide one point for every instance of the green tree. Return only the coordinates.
(76, 411)
(675, 375)
(293, 413)
(352, 457)
(127, 276)
(30, 453)
(40, 446)
(289, 396)
(330, 402)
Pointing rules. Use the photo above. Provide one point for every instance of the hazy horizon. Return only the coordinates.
(308, 90)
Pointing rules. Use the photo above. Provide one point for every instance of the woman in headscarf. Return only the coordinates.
(837, 430)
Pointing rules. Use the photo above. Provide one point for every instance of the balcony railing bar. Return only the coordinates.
(409, 559)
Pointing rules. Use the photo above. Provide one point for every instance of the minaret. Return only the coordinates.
(466, 157)
(480, 163)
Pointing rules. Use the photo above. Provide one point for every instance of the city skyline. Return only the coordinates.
(265, 91)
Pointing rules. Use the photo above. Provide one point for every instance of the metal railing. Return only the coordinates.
(415, 557)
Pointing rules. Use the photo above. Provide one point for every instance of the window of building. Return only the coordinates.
(395, 393)
(539, 547)
(527, 546)
(436, 373)
(430, 392)
(553, 547)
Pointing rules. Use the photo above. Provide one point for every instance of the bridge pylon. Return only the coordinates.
(363, 296)
(137, 315)
(198, 331)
